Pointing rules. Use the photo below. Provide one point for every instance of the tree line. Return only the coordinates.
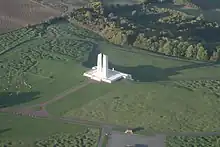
(121, 31)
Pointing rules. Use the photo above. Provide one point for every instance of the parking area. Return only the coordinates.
(120, 139)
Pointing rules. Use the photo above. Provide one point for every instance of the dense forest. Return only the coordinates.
(148, 27)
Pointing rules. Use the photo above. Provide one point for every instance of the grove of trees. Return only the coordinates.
(175, 34)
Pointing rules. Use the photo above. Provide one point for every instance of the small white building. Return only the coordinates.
(101, 72)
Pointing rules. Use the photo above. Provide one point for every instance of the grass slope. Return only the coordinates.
(20, 131)
(158, 107)
(157, 102)
(79, 98)
(186, 141)
(167, 94)
(37, 59)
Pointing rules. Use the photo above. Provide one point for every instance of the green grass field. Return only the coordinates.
(155, 107)
(79, 98)
(157, 101)
(50, 87)
(21, 131)
(43, 64)
(166, 95)
(186, 141)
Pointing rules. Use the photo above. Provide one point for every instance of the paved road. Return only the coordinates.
(107, 127)
(105, 130)
(94, 123)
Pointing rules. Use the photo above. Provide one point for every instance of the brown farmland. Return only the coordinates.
(64, 5)
(18, 13)
(69, 5)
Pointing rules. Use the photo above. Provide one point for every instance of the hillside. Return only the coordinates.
(174, 90)
(38, 65)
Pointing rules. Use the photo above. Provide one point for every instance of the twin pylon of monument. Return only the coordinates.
(101, 71)
(102, 65)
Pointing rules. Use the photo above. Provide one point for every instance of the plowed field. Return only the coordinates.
(17, 13)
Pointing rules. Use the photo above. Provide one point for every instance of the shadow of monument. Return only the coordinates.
(8, 99)
(137, 129)
(5, 130)
(141, 145)
(150, 73)
(145, 73)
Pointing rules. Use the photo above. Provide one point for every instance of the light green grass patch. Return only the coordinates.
(27, 130)
(187, 141)
(55, 78)
(87, 138)
(79, 98)
(158, 107)
(150, 67)
(48, 62)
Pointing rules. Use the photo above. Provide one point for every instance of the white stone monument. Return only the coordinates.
(101, 72)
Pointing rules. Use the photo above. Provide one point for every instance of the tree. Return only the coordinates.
(189, 52)
(89, 15)
(216, 54)
(119, 38)
(202, 53)
(167, 48)
(182, 1)
(200, 17)
(133, 12)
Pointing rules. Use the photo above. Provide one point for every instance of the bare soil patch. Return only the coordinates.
(19, 13)
(63, 5)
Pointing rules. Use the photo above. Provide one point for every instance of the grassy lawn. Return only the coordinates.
(79, 98)
(43, 66)
(167, 94)
(152, 103)
(61, 80)
(186, 141)
(105, 141)
(158, 107)
(25, 131)
(148, 67)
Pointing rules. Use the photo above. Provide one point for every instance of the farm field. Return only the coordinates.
(17, 131)
(63, 5)
(16, 14)
(69, 5)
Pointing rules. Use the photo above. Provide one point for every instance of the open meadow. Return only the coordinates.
(166, 94)
(18, 131)
(36, 64)
(43, 64)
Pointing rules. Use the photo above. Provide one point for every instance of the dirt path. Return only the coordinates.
(65, 93)
(29, 110)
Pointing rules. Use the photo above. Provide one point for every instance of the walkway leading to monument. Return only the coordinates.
(29, 110)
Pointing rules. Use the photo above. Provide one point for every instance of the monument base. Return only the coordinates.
(113, 75)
